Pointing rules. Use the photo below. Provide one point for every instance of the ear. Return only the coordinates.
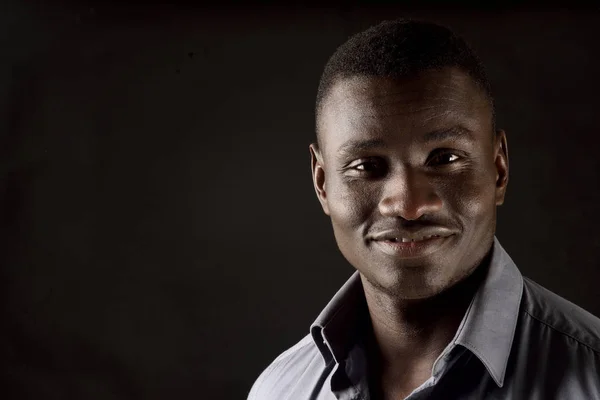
(318, 176)
(501, 163)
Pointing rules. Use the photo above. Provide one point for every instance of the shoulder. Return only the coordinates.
(576, 325)
(282, 376)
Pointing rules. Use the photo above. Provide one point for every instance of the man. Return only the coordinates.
(410, 168)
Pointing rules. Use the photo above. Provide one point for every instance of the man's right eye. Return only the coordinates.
(369, 167)
(366, 166)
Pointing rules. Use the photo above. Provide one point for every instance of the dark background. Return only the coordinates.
(161, 238)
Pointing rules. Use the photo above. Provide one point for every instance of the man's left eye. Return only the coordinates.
(445, 158)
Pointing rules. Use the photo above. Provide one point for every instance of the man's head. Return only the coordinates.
(407, 148)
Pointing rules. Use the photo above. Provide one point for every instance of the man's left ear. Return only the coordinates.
(501, 163)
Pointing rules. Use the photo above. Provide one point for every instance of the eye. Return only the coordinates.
(367, 166)
(370, 167)
(443, 158)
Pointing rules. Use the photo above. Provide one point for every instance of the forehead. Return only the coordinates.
(433, 100)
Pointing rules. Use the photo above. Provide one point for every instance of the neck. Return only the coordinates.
(409, 335)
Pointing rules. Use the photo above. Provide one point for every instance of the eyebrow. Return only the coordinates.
(456, 132)
(357, 146)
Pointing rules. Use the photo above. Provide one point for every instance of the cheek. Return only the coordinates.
(350, 204)
(473, 198)
(351, 207)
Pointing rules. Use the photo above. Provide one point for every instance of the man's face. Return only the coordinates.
(403, 160)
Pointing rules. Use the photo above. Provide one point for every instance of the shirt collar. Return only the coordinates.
(489, 325)
(487, 329)
(346, 312)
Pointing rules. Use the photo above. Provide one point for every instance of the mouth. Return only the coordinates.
(401, 247)
(409, 240)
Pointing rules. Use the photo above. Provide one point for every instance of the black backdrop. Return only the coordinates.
(160, 234)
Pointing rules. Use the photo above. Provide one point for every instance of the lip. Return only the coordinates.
(413, 235)
(416, 249)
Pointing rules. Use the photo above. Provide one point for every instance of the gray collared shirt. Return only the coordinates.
(517, 340)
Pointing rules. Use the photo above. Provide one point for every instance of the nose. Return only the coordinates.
(410, 195)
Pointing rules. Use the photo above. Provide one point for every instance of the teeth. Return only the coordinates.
(406, 240)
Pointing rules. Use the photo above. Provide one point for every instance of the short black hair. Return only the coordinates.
(397, 49)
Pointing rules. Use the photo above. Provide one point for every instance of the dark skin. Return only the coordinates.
(410, 155)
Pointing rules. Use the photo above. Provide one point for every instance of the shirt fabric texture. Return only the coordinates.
(517, 340)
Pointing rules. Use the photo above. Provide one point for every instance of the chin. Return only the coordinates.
(410, 281)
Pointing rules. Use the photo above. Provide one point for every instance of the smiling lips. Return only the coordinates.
(410, 247)
(406, 240)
